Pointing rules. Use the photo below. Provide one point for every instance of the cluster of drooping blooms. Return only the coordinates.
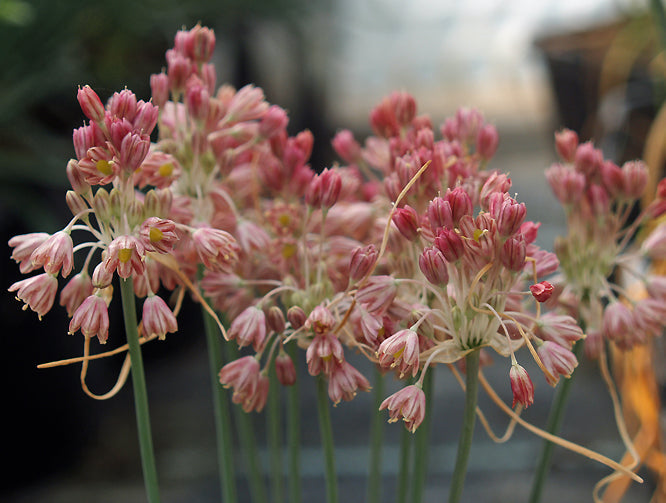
(599, 256)
(132, 230)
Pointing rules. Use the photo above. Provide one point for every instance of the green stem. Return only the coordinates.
(245, 427)
(294, 433)
(469, 418)
(140, 392)
(558, 407)
(326, 433)
(404, 464)
(273, 432)
(422, 441)
(376, 442)
(221, 410)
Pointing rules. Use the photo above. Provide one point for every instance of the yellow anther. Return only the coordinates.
(125, 254)
(166, 169)
(155, 235)
(104, 167)
(284, 220)
(288, 250)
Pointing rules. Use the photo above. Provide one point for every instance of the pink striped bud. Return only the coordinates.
(324, 189)
(496, 182)
(197, 99)
(179, 69)
(557, 360)
(377, 294)
(566, 143)
(296, 317)
(157, 318)
(275, 319)
(146, 117)
(588, 160)
(521, 386)
(77, 178)
(200, 44)
(450, 244)
(440, 214)
(77, 289)
(487, 141)
(362, 261)
(133, 150)
(635, 178)
(513, 254)
(559, 328)
(244, 376)
(159, 87)
(619, 325)
(408, 404)
(217, 249)
(598, 199)
(460, 202)
(123, 105)
(530, 230)
(567, 185)
(407, 221)
(433, 266)
(90, 104)
(274, 120)
(613, 178)
(102, 276)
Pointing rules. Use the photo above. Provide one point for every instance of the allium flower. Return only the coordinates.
(249, 327)
(55, 254)
(408, 404)
(557, 360)
(400, 350)
(75, 292)
(158, 235)
(157, 319)
(125, 256)
(38, 292)
(23, 246)
(92, 317)
(323, 354)
(216, 248)
(343, 382)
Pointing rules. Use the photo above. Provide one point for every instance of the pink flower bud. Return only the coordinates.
(200, 44)
(559, 328)
(92, 317)
(157, 319)
(619, 325)
(521, 386)
(542, 291)
(567, 185)
(250, 387)
(102, 277)
(285, 369)
(377, 294)
(133, 150)
(433, 266)
(635, 178)
(557, 360)
(146, 117)
(407, 221)
(247, 104)
(566, 143)
(588, 160)
(274, 120)
(408, 404)
(613, 178)
(440, 214)
(460, 202)
(275, 319)
(530, 230)
(123, 105)
(598, 199)
(346, 146)
(179, 69)
(362, 261)
(196, 99)
(496, 182)
(487, 141)
(513, 254)
(159, 86)
(217, 249)
(296, 317)
(37, 292)
(320, 321)
(90, 104)
(249, 327)
(324, 189)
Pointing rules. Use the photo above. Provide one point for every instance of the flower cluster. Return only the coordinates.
(600, 254)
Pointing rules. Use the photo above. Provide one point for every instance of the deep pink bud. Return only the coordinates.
(296, 317)
(324, 189)
(513, 254)
(567, 185)
(542, 291)
(508, 213)
(566, 143)
(407, 221)
(146, 117)
(196, 99)
(613, 178)
(346, 146)
(285, 369)
(460, 202)
(619, 325)
(123, 105)
(450, 244)
(408, 404)
(496, 182)
(179, 69)
(275, 319)
(157, 319)
(529, 230)
(598, 199)
(433, 266)
(92, 317)
(487, 141)
(200, 44)
(521, 386)
(133, 150)
(362, 261)
(75, 292)
(90, 103)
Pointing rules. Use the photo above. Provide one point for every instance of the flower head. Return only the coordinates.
(408, 404)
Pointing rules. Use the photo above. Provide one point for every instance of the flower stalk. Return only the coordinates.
(294, 434)
(327, 443)
(374, 491)
(469, 418)
(140, 393)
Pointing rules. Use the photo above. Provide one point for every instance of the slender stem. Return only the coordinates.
(404, 464)
(245, 427)
(422, 441)
(273, 428)
(469, 418)
(328, 446)
(140, 392)
(294, 433)
(221, 410)
(376, 442)
(558, 407)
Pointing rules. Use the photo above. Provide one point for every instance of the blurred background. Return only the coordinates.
(530, 67)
